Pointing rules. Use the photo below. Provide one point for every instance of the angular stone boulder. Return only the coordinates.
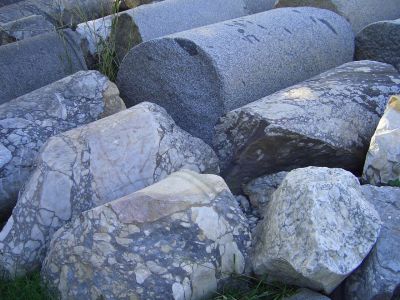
(380, 41)
(24, 28)
(325, 121)
(38, 61)
(200, 74)
(177, 239)
(28, 121)
(382, 165)
(317, 229)
(379, 275)
(306, 294)
(90, 166)
(359, 13)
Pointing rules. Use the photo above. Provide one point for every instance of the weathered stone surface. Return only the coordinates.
(8, 2)
(306, 294)
(24, 28)
(382, 164)
(177, 239)
(200, 74)
(92, 165)
(64, 12)
(379, 274)
(325, 121)
(380, 41)
(360, 13)
(148, 22)
(317, 229)
(28, 121)
(260, 190)
(38, 61)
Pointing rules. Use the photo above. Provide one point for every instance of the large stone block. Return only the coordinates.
(359, 13)
(382, 165)
(177, 239)
(325, 121)
(380, 41)
(28, 121)
(317, 229)
(38, 61)
(92, 165)
(200, 74)
(379, 275)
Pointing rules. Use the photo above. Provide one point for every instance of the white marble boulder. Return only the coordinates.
(92, 165)
(382, 164)
(180, 238)
(28, 121)
(378, 277)
(324, 121)
(317, 229)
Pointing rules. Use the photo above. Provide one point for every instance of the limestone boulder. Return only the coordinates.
(382, 165)
(90, 166)
(317, 229)
(379, 275)
(180, 238)
(28, 121)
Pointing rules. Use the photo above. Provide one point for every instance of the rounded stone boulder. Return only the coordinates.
(180, 238)
(200, 74)
(316, 230)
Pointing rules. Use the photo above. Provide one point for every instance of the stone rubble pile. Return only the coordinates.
(246, 128)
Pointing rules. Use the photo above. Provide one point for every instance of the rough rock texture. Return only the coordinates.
(24, 28)
(325, 121)
(61, 12)
(260, 190)
(379, 274)
(28, 121)
(382, 164)
(360, 13)
(147, 22)
(306, 294)
(176, 239)
(8, 2)
(38, 61)
(316, 230)
(92, 165)
(200, 74)
(380, 41)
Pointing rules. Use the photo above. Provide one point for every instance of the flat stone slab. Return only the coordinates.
(28, 121)
(325, 121)
(200, 74)
(90, 166)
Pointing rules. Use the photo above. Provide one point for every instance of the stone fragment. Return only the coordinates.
(382, 165)
(38, 61)
(380, 41)
(359, 13)
(317, 229)
(28, 121)
(183, 237)
(92, 165)
(306, 294)
(200, 74)
(379, 275)
(325, 121)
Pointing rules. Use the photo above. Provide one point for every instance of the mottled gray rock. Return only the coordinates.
(317, 229)
(92, 165)
(200, 74)
(28, 121)
(306, 294)
(24, 28)
(147, 22)
(8, 2)
(380, 41)
(360, 13)
(382, 164)
(260, 190)
(38, 61)
(325, 121)
(177, 239)
(379, 274)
